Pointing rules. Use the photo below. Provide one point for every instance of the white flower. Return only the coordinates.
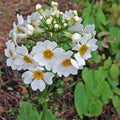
(15, 35)
(85, 47)
(76, 38)
(20, 19)
(64, 66)
(78, 27)
(33, 19)
(10, 50)
(66, 14)
(23, 59)
(46, 53)
(11, 53)
(29, 29)
(90, 29)
(37, 78)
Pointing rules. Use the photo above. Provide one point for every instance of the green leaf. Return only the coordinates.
(26, 112)
(117, 56)
(95, 57)
(116, 90)
(49, 116)
(116, 104)
(87, 75)
(81, 99)
(114, 71)
(113, 82)
(100, 74)
(107, 63)
(2, 11)
(106, 92)
(95, 108)
(87, 17)
(100, 16)
(114, 47)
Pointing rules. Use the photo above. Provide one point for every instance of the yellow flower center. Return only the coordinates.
(48, 54)
(37, 74)
(83, 49)
(27, 59)
(10, 51)
(66, 62)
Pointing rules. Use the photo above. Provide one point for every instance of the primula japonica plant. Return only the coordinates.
(47, 45)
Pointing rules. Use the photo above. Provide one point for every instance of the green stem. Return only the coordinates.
(44, 114)
(44, 111)
(54, 37)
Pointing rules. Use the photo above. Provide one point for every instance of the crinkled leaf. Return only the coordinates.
(116, 90)
(107, 63)
(95, 57)
(100, 74)
(106, 92)
(95, 108)
(81, 99)
(113, 82)
(114, 47)
(87, 75)
(49, 116)
(100, 16)
(26, 112)
(116, 104)
(114, 71)
(117, 56)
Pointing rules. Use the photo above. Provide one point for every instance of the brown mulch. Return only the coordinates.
(11, 86)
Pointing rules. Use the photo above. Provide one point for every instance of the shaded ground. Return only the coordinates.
(11, 85)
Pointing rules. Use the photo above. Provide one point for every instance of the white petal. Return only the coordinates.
(28, 77)
(38, 84)
(48, 76)
(79, 59)
(22, 49)
(76, 37)
(87, 55)
(50, 45)
(75, 63)
(18, 60)
(76, 47)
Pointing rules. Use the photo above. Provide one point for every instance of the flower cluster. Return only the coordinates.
(49, 58)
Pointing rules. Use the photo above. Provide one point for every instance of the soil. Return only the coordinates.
(12, 88)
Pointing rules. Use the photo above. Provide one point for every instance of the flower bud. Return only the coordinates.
(76, 18)
(38, 6)
(74, 12)
(56, 26)
(61, 13)
(48, 21)
(39, 9)
(54, 6)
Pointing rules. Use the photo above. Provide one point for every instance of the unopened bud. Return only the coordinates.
(39, 9)
(61, 13)
(56, 26)
(41, 18)
(74, 12)
(54, 4)
(76, 18)
(48, 21)
(38, 6)
(65, 24)
(52, 14)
